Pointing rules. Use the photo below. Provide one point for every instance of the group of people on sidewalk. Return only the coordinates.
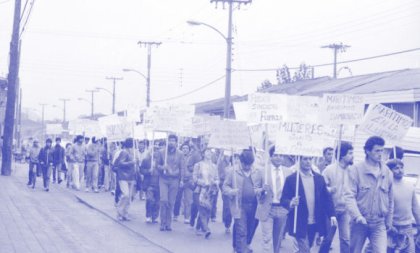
(307, 199)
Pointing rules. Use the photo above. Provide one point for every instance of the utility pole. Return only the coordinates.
(65, 100)
(92, 93)
(149, 45)
(114, 79)
(336, 48)
(12, 82)
(226, 108)
(43, 120)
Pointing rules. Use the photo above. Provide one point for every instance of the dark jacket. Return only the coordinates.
(45, 157)
(175, 163)
(324, 207)
(58, 155)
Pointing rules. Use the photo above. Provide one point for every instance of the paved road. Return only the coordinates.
(64, 220)
(35, 221)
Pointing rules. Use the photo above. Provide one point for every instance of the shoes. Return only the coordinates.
(207, 234)
(59, 181)
(29, 183)
(198, 232)
(112, 193)
(227, 230)
(125, 218)
(154, 221)
(46, 189)
(186, 221)
(120, 218)
(96, 191)
(149, 220)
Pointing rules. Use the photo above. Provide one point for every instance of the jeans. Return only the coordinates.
(92, 170)
(78, 174)
(226, 214)
(214, 206)
(33, 169)
(125, 200)
(194, 209)
(273, 229)
(244, 227)
(46, 174)
(57, 172)
(107, 177)
(70, 168)
(204, 217)
(178, 200)
(303, 245)
(343, 220)
(188, 200)
(168, 189)
(152, 202)
(376, 232)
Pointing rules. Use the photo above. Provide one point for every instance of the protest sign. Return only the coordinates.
(346, 109)
(386, 123)
(85, 127)
(241, 110)
(229, 135)
(299, 138)
(120, 130)
(303, 109)
(266, 107)
(54, 129)
(203, 124)
(170, 119)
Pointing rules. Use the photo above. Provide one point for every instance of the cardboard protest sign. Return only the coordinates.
(170, 119)
(387, 123)
(346, 109)
(229, 134)
(266, 107)
(203, 124)
(299, 138)
(241, 110)
(332, 134)
(303, 109)
(85, 127)
(54, 129)
(120, 130)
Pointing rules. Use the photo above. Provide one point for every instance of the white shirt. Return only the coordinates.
(277, 186)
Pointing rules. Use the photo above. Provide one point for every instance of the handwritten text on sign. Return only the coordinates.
(230, 135)
(343, 109)
(297, 138)
(387, 123)
(266, 107)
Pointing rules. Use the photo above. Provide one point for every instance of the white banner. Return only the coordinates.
(266, 107)
(346, 109)
(387, 123)
(170, 119)
(229, 134)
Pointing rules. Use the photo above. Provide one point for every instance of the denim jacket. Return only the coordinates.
(367, 195)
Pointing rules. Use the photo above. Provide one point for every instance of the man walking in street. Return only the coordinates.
(169, 181)
(272, 216)
(46, 162)
(314, 205)
(92, 165)
(406, 207)
(369, 199)
(127, 165)
(58, 162)
(34, 169)
(334, 177)
(239, 186)
(78, 156)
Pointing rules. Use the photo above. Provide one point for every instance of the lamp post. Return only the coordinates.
(228, 39)
(147, 85)
(89, 102)
(112, 93)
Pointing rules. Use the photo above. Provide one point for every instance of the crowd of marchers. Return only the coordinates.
(367, 200)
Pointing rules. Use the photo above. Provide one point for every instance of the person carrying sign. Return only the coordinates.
(334, 177)
(369, 199)
(170, 175)
(239, 187)
(270, 213)
(313, 204)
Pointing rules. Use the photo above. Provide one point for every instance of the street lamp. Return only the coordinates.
(89, 102)
(110, 93)
(147, 86)
(228, 39)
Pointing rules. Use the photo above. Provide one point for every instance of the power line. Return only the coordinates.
(341, 62)
(27, 17)
(192, 91)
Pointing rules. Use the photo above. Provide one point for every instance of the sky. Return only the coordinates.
(69, 47)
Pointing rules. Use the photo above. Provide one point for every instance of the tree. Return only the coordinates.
(265, 85)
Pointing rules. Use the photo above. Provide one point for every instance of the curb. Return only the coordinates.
(120, 223)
